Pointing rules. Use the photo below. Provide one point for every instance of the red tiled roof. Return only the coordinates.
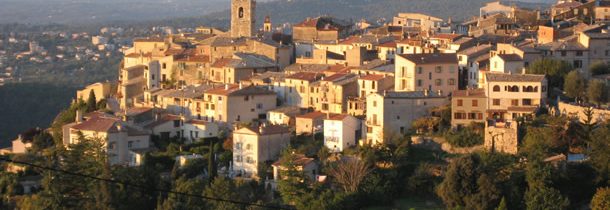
(334, 77)
(391, 44)
(269, 129)
(510, 57)
(446, 36)
(162, 120)
(297, 159)
(373, 77)
(220, 63)
(338, 68)
(233, 90)
(349, 40)
(309, 22)
(431, 58)
(338, 116)
(474, 93)
(312, 115)
(307, 76)
(99, 124)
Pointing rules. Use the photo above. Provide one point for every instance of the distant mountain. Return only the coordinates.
(292, 11)
(100, 11)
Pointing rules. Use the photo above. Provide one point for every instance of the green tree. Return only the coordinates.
(599, 68)
(539, 194)
(184, 185)
(597, 92)
(599, 153)
(223, 188)
(91, 102)
(460, 181)
(574, 85)
(555, 70)
(601, 199)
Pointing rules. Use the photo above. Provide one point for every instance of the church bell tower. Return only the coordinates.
(242, 18)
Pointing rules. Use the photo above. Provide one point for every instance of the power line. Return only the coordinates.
(140, 186)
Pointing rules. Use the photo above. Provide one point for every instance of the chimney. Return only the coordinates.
(226, 86)
(79, 116)
(440, 92)
(261, 129)
(426, 92)
(240, 86)
(119, 127)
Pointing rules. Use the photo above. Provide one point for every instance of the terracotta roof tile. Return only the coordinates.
(373, 77)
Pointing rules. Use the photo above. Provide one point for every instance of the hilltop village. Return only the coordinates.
(262, 102)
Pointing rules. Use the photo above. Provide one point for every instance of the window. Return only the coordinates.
(451, 81)
(248, 147)
(472, 116)
(527, 102)
(578, 53)
(238, 159)
(438, 82)
(374, 103)
(369, 129)
(238, 145)
(112, 145)
(259, 106)
(496, 88)
(129, 144)
(430, 75)
(246, 98)
(419, 83)
(514, 102)
(176, 123)
(577, 64)
(438, 69)
(241, 12)
(496, 102)
(459, 102)
(420, 70)
(514, 88)
(563, 53)
(475, 103)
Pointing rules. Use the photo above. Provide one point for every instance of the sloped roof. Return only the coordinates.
(98, 124)
(431, 58)
(510, 57)
(235, 90)
(499, 77)
(473, 93)
(297, 159)
(306, 76)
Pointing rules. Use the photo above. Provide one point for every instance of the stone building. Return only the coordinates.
(243, 14)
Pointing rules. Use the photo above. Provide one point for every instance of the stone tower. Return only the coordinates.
(242, 18)
(267, 24)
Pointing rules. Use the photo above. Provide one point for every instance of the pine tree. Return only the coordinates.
(91, 102)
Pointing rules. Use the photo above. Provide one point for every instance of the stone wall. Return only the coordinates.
(599, 115)
(502, 137)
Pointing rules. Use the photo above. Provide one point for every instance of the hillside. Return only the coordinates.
(291, 11)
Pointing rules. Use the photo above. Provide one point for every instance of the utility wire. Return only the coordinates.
(140, 186)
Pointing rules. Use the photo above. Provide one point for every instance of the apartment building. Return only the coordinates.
(235, 103)
(433, 72)
(390, 114)
(510, 96)
(255, 145)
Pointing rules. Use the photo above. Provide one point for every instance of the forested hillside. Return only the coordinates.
(291, 11)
